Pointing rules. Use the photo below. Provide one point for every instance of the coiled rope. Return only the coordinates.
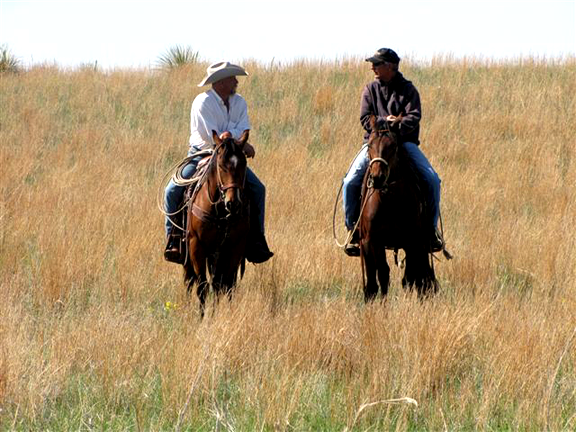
(175, 174)
(351, 232)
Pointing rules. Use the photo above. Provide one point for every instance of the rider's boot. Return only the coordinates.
(257, 250)
(352, 248)
(436, 241)
(174, 250)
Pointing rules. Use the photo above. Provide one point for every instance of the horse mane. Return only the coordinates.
(228, 145)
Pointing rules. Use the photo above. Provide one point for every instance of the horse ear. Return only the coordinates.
(216, 138)
(243, 138)
(373, 123)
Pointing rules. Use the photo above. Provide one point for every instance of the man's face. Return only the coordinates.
(384, 71)
(229, 85)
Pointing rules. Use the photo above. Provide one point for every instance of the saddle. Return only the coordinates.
(176, 248)
(257, 249)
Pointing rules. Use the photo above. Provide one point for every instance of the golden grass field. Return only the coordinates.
(96, 332)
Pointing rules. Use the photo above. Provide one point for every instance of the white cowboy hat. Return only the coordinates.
(221, 70)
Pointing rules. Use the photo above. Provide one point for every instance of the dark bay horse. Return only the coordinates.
(393, 216)
(218, 222)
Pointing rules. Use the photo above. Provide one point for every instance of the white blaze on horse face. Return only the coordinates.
(234, 163)
(232, 194)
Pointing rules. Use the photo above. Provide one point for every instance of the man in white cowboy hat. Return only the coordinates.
(223, 110)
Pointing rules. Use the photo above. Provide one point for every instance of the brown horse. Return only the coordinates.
(218, 222)
(393, 217)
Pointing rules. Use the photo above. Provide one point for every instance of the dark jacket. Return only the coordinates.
(399, 96)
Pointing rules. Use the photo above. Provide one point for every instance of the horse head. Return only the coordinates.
(231, 166)
(382, 151)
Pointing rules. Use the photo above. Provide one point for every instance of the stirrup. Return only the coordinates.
(437, 244)
(352, 248)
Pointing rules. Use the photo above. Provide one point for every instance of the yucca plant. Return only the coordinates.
(8, 62)
(92, 67)
(177, 56)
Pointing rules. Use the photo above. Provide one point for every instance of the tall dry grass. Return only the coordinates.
(95, 329)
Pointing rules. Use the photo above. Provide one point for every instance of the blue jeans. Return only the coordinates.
(352, 187)
(174, 196)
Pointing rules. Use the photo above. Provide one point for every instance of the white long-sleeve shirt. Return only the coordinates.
(209, 113)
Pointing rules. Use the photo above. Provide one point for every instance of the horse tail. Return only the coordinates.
(362, 263)
(242, 267)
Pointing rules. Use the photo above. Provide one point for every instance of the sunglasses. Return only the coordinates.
(391, 65)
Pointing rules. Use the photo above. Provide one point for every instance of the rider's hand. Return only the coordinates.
(225, 135)
(391, 118)
(249, 150)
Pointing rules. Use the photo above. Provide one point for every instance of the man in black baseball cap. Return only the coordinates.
(391, 98)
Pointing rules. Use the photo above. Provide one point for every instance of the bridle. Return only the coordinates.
(370, 181)
(222, 188)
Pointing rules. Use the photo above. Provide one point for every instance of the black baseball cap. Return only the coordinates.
(384, 55)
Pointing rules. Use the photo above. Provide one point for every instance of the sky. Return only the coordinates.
(133, 34)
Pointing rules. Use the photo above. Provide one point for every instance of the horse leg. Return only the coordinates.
(189, 277)
(232, 283)
(218, 286)
(232, 272)
(408, 279)
(429, 282)
(370, 267)
(202, 292)
(227, 286)
(419, 273)
(383, 273)
(225, 273)
(198, 258)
